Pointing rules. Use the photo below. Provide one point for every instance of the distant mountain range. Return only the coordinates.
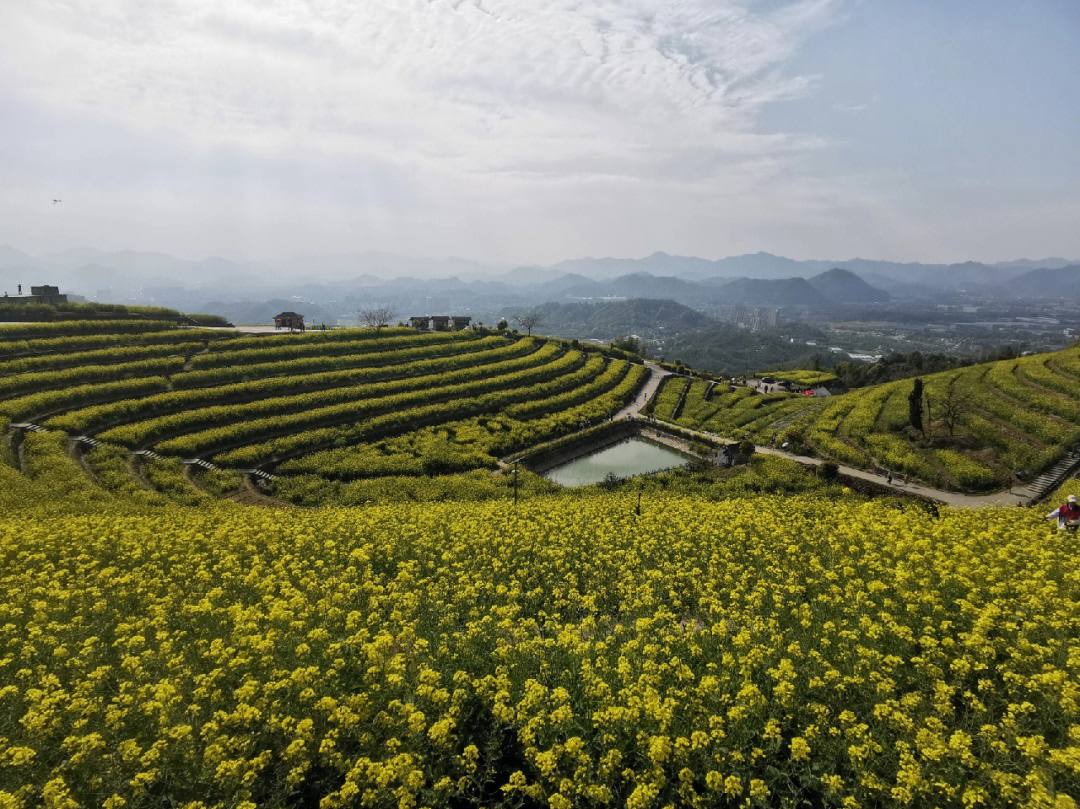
(754, 279)
(1062, 282)
(769, 266)
(830, 287)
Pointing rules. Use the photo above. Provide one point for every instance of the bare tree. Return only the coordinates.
(953, 405)
(530, 322)
(377, 317)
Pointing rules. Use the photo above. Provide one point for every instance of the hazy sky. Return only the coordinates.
(521, 130)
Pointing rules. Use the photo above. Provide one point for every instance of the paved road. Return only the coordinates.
(656, 376)
(1020, 496)
(246, 329)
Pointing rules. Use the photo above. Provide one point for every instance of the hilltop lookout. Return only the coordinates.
(289, 320)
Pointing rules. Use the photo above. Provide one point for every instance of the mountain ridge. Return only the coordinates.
(79, 268)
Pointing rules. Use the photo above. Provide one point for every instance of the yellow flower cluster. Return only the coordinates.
(757, 652)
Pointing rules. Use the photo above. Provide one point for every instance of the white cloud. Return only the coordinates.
(477, 103)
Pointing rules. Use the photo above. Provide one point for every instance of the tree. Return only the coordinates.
(502, 324)
(745, 449)
(530, 322)
(377, 317)
(915, 406)
(954, 405)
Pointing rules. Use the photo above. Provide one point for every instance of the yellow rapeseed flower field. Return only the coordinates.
(764, 651)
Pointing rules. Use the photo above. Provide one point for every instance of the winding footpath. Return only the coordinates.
(1018, 496)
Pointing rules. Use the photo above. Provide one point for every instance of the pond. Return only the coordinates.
(626, 459)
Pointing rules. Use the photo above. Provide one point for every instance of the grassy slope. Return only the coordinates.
(1018, 415)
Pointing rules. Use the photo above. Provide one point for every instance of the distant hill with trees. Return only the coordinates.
(676, 332)
(844, 286)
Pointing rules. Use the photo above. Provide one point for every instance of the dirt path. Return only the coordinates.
(136, 469)
(249, 495)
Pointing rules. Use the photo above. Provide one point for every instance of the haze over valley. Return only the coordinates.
(735, 314)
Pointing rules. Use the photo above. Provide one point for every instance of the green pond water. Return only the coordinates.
(626, 459)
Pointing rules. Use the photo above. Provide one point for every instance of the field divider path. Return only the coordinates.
(647, 392)
(134, 465)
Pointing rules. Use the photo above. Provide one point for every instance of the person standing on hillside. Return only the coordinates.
(1068, 512)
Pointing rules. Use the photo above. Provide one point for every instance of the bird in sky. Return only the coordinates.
(56, 201)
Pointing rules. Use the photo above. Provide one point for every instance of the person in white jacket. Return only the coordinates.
(1068, 512)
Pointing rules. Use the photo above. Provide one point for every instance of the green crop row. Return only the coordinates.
(1014, 453)
(190, 418)
(602, 380)
(860, 420)
(94, 418)
(807, 378)
(271, 341)
(967, 473)
(50, 477)
(39, 404)
(898, 455)
(1066, 362)
(167, 476)
(894, 415)
(90, 342)
(1038, 374)
(39, 381)
(61, 328)
(250, 370)
(110, 467)
(107, 356)
(291, 428)
(739, 412)
(671, 391)
(829, 446)
(560, 421)
(1003, 375)
(360, 343)
(459, 402)
(467, 443)
(1032, 423)
(475, 486)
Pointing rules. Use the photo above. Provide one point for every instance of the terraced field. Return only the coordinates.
(1009, 416)
(752, 637)
(736, 414)
(343, 405)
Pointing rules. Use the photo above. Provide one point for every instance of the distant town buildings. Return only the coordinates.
(42, 294)
(757, 318)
